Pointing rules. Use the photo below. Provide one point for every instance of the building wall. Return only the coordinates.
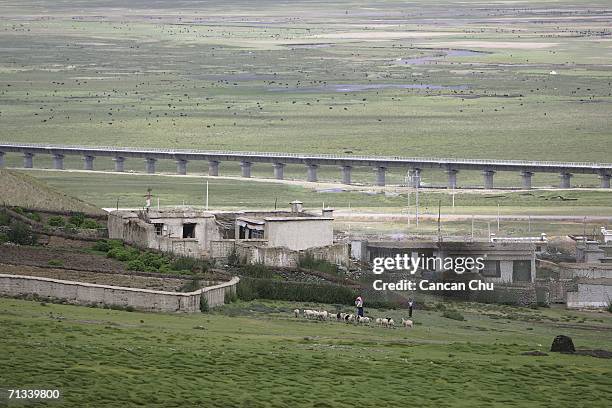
(590, 296)
(140, 299)
(298, 235)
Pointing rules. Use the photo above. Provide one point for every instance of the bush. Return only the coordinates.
(123, 254)
(70, 228)
(102, 245)
(308, 261)
(257, 271)
(77, 219)
(56, 221)
(204, 304)
(233, 259)
(136, 265)
(89, 223)
(20, 233)
(3, 238)
(453, 314)
(253, 288)
(55, 262)
(34, 216)
(610, 308)
(4, 218)
(189, 264)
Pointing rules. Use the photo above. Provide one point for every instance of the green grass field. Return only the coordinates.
(443, 78)
(257, 354)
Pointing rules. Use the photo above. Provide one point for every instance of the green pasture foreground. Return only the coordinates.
(257, 354)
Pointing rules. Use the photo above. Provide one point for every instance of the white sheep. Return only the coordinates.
(407, 323)
(296, 312)
(390, 322)
(363, 320)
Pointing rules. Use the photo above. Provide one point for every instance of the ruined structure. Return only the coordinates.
(274, 238)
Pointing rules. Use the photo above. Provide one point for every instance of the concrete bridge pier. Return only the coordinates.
(245, 169)
(88, 162)
(28, 160)
(181, 167)
(414, 177)
(1, 159)
(58, 161)
(312, 172)
(380, 175)
(213, 168)
(150, 165)
(565, 180)
(526, 178)
(119, 163)
(488, 178)
(604, 179)
(452, 178)
(279, 171)
(346, 174)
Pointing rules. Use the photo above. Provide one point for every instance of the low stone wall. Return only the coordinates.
(588, 296)
(138, 299)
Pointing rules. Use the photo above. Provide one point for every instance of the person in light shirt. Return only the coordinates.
(359, 304)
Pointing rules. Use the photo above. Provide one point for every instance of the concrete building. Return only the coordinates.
(504, 262)
(275, 238)
(590, 293)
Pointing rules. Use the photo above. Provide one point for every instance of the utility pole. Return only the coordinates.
(472, 227)
(418, 184)
(498, 218)
(439, 226)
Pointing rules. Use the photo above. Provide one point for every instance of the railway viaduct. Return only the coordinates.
(312, 162)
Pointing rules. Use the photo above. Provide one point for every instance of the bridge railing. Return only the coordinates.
(306, 156)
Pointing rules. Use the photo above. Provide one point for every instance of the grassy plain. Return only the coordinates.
(443, 78)
(257, 354)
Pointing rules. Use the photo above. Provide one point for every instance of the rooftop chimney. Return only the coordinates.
(297, 206)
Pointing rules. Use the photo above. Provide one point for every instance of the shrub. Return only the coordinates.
(257, 271)
(89, 223)
(102, 245)
(308, 261)
(253, 288)
(55, 262)
(123, 254)
(233, 259)
(3, 238)
(19, 210)
(20, 233)
(34, 216)
(610, 308)
(189, 264)
(56, 221)
(70, 228)
(453, 314)
(203, 304)
(136, 265)
(4, 218)
(77, 219)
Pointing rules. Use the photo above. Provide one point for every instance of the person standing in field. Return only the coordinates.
(410, 305)
(359, 304)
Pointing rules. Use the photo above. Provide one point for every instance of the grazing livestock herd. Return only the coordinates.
(349, 318)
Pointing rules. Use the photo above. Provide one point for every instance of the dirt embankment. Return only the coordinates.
(100, 278)
(40, 256)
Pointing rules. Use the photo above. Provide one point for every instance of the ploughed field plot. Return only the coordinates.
(457, 79)
(258, 354)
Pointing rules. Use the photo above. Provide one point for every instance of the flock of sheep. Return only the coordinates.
(349, 318)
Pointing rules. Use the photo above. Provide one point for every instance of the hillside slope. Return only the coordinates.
(18, 189)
